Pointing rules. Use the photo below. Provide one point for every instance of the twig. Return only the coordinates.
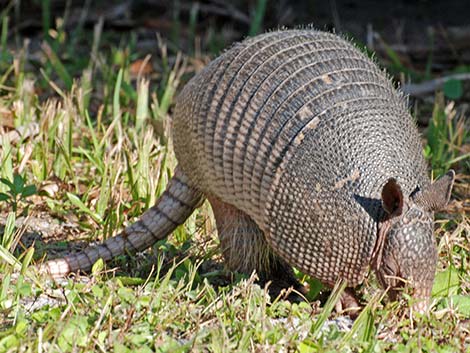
(221, 9)
(428, 87)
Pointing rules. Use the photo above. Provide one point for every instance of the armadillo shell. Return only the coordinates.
(300, 130)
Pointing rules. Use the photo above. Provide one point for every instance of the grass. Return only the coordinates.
(97, 149)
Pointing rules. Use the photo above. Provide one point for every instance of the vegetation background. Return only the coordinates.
(86, 94)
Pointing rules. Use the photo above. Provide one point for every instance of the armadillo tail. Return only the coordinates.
(174, 206)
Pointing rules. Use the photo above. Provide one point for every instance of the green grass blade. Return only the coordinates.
(8, 237)
(46, 16)
(58, 66)
(117, 90)
(6, 161)
(8, 258)
(82, 207)
(26, 259)
(142, 104)
(3, 40)
(257, 21)
(335, 295)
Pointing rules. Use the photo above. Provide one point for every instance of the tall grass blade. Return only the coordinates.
(363, 328)
(3, 40)
(257, 21)
(116, 102)
(46, 16)
(8, 238)
(142, 104)
(58, 66)
(335, 295)
(193, 15)
(6, 161)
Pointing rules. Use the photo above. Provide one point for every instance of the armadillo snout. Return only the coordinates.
(409, 258)
(397, 284)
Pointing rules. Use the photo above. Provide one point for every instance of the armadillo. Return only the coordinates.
(309, 158)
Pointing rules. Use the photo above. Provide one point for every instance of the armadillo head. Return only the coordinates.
(406, 253)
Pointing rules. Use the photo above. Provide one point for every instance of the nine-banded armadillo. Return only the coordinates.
(309, 158)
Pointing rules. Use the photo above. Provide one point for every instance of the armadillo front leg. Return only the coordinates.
(173, 207)
(245, 249)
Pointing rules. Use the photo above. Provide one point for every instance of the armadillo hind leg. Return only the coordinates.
(173, 207)
(245, 249)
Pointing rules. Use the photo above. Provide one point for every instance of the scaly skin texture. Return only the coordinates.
(310, 159)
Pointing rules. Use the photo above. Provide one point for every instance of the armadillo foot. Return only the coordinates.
(348, 304)
(283, 283)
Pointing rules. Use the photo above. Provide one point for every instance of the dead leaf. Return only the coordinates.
(141, 67)
(6, 118)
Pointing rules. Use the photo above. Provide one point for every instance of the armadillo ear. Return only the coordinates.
(392, 198)
(436, 196)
